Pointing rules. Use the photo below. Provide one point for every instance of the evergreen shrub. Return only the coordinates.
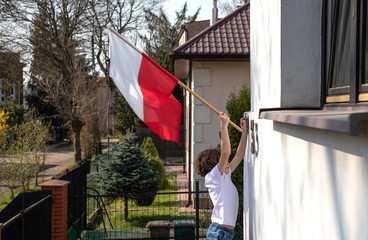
(156, 163)
(128, 172)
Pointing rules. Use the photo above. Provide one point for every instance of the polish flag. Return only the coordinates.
(146, 86)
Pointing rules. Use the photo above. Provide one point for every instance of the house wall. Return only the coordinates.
(11, 76)
(304, 183)
(213, 81)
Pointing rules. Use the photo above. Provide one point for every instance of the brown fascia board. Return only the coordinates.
(211, 57)
(182, 30)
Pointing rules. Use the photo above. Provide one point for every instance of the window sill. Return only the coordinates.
(338, 121)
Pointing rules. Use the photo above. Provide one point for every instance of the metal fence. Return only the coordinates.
(122, 217)
(172, 214)
(77, 186)
(28, 216)
(168, 217)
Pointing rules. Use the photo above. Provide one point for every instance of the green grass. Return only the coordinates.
(6, 198)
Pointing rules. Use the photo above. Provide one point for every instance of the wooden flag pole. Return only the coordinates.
(180, 83)
(207, 104)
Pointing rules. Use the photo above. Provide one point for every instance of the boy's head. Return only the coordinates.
(206, 160)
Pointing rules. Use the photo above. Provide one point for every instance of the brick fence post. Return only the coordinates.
(59, 212)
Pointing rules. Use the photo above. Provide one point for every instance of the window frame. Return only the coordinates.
(356, 92)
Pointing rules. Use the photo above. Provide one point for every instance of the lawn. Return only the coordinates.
(6, 198)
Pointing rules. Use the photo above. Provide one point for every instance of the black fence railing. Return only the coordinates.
(122, 217)
(77, 186)
(167, 217)
(28, 216)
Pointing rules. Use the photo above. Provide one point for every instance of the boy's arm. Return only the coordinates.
(241, 147)
(225, 142)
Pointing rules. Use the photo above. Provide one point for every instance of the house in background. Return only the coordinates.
(105, 97)
(213, 63)
(11, 76)
(308, 175)
(191, 29)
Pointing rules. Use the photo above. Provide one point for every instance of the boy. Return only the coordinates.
(214, 165)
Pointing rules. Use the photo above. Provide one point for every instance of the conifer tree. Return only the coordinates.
(128, 173)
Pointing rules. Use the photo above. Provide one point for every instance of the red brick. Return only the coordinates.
(59, 208)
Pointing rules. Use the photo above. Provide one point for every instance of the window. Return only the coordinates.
(2, 95)
(346, 53)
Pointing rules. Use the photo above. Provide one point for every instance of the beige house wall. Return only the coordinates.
(213, 81)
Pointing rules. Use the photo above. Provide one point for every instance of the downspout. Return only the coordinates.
(190, 136)
(187, 139)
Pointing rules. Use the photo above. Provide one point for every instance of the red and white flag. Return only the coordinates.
(147, 88)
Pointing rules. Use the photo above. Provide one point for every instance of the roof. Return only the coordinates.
(228, 37)
(193, 28)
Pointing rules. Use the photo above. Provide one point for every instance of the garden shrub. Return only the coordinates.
(156, 163)
(237, 103)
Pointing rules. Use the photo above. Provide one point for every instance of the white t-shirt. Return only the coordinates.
(224, 197)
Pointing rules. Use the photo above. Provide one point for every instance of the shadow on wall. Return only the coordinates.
(324, 181)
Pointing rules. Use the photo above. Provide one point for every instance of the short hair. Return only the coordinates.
(206, 160)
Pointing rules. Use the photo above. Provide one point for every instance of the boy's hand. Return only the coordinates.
(244, 124)
(224, 120)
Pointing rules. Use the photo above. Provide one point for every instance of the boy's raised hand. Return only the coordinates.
(224, 119)
(244, 124)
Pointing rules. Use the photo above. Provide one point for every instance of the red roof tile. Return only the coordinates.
(229, 36)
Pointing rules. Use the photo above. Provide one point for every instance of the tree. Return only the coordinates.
(29, 149)
(124, 16)
(38, 106)
(155, 161)
(162, 37)
(3, 128)
(126, 117)
(127, 173)
(54, 34)
(58, 69)
(127, 18)
(229, 6)
(237, 103)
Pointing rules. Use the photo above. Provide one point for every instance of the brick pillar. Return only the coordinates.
(59, 212)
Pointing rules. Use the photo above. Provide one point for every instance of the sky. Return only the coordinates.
(171, 6)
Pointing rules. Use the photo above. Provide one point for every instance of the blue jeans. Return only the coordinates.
(218, 232)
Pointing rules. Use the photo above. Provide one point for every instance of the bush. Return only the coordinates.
(15, 111)
(156, 163)
(237, 104)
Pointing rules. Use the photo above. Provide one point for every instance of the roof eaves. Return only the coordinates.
(210, 28)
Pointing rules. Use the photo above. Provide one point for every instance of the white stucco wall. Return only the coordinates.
(265, 52)
(310, 184)
(306, 183)
(301, 53)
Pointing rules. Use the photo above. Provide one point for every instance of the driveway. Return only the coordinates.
(59, 158)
